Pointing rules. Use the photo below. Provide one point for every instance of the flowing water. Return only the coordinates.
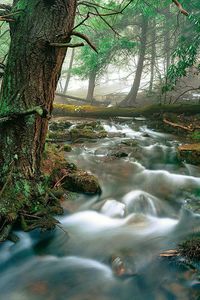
(109, 249)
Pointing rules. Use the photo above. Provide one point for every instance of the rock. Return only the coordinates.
(93, 125)
(81, 182)
(119, 154)
(57, 126)
(86, 133)
(116, 134)
(190, 153)
(130, 143)
(59, 136)
(191, 248)
(67, 148)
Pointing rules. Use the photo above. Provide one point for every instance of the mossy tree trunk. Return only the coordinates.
(31, 75)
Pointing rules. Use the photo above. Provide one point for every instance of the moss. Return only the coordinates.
(86, 133)
(59, 136)
(130, 143)
(58, 126)
(191, 248)
(195, 135)
(190, 153)
(81, 182)
(105, 112)
(67, 148)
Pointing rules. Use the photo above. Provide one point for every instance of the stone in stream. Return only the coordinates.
(81, 182)
(59, 126)
(59, 136)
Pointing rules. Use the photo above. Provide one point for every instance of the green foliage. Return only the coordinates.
(4, 40)
(108, 47)
(186, 53)
(196, 135)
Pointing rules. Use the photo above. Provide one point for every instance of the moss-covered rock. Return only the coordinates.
(59, 136)
(65, 175)
(190, 153)
(191, 248)
(86, 133)
(59, 126)
(67, 148)
(130, 142)
(81, 182)
(93, 125)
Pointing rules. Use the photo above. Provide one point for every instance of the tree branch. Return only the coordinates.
(67, 45)
(2, 19)
(175, 125)
(87, 3)
(192, 89)
(36, 110)
(180, 7)
(85, 38)
(82, 22)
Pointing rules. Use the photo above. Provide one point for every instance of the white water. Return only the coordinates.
(138, 216)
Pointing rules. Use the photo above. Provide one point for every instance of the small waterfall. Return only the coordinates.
(113, 208)
(140, 202)
(124, 129)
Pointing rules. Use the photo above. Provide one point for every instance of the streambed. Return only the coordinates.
(110, 248)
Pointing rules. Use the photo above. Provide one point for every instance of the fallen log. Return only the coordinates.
(110, 112)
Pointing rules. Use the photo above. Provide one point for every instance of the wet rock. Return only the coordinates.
(190, 248)
(86, 133)
(59, 126)
(119, 154)
(130, 143)
(190, 153)
(59, 136)
(93, 125)
(81, 182)
(67, 148)
(116, 134)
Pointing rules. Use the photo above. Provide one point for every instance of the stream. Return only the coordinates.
(111, 247)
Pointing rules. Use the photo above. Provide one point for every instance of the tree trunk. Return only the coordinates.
(91, 86)
(167, 41)
(153, 56)
(69, 71)
(31, 75)
(130, 99)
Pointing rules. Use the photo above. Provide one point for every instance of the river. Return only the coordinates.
(112, 247)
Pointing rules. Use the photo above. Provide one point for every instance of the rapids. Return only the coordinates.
(110, 247)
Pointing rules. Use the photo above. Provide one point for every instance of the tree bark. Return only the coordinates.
(130, 99)
(31, 75)
(91, 86)
(69, 71)
(153, 56)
